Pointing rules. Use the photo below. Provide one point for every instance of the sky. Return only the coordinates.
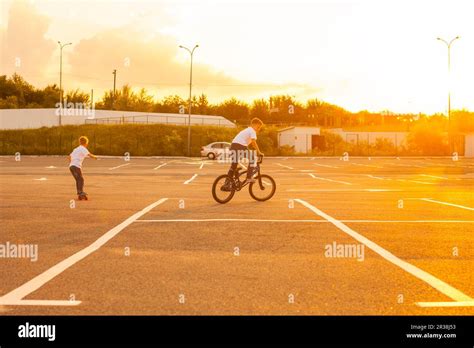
(359, 54)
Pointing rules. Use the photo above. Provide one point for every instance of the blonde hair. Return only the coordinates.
(256, 121)
(83, 140)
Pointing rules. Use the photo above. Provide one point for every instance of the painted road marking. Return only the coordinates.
(324, 165)
(434, 176)
(344, 190)
(42, 303)
(122, 165)
(405, 165)
(377, 190)
(189, 180)
(440, 177)
(41, 179)
(431, 280)
(282, 165)
(308, 220)
(416, 181)
(223, 220)
(366, 165)
(319, 178)
(377, 177)
(446, 203)
(37, 282)
(446, 304)
(161, 165)
(202, 165)
(50, 167)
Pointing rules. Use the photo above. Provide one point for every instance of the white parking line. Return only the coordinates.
(308, 220)
(161, 165)
(189, 180)
(405, 165)
(343, 190)
(42, 303)
(431, 280)
(417, 181)
(17, 295)
(365, 165)
(282, 165)
(122, 165)
(377, 177)
(446, 203)
(446, 304)
(202, 165)
(377, 190)
(324, 165)
(435, 176)
(339, 182)
(223, 220)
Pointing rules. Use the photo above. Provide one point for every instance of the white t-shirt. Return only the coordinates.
(78, 155)
(245, 137)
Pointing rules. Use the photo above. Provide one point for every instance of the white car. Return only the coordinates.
(213, 150)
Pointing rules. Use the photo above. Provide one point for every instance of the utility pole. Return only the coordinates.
(115, 80)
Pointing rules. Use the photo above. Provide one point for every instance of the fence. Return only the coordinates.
(169, 120)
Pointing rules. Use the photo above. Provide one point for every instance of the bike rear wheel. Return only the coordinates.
(219, 195)
(263, 188)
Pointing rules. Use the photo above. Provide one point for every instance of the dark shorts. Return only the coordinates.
(238, 152)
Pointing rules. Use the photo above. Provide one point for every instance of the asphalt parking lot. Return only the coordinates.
(366, 236)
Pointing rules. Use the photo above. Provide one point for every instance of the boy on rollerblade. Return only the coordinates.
(75, 165)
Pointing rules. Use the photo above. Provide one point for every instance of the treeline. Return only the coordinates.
(16, 92)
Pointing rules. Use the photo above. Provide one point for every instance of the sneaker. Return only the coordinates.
(249, 180)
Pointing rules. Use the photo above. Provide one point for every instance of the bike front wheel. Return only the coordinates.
(263, 188)
(219, 195)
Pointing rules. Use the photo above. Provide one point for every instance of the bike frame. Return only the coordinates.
(239, 185)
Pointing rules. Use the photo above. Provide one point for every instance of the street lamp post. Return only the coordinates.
(191, 52)
(448, 45)
(115, 80)
(61, 46)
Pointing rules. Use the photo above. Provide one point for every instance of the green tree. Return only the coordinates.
(234, 110)
(260, 108)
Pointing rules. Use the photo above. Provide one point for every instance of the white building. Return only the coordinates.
(36, 118)
(355, 137)
(469, 145)
(302, 139)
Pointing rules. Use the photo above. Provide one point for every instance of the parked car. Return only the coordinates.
(213, 150)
